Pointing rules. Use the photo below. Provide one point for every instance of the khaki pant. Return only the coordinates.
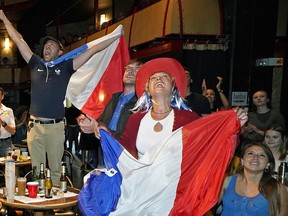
(48, 138)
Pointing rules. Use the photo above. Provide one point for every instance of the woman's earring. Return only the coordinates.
(267, 168)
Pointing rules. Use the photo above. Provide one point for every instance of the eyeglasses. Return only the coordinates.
(132, 69)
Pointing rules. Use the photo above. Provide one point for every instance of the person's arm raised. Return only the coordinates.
(23, 47)
(86, 55)
(204, 87)
(223, 97)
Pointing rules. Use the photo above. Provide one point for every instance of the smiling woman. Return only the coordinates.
(254, 191)
(160, 84)
(276, 138)
(160, 130)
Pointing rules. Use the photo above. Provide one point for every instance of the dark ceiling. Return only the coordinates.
(32, 16)
(46, 11)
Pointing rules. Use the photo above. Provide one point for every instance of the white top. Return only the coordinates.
(6, 114)
(278, 162)
(146, 130)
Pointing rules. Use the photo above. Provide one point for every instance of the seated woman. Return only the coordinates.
(254, 191)
(276, 138)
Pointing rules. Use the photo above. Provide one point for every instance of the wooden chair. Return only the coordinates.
(2, 173)
(68, 159)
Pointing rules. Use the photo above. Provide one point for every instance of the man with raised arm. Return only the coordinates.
(48, 87)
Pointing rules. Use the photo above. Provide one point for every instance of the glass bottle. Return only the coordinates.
(283, 173)
(63, 180)
(9, 153)
(48, 185)
(41, 178)
(34, 174)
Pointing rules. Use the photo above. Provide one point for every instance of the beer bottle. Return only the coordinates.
(34, 174)
(63, 180)
(48, 185)
(283, 173)
(41, 178)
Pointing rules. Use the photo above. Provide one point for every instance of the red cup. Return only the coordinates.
(32, 189)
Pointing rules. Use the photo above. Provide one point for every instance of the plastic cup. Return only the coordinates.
(32, 189)
(10, 179)
(17, 152)
(21, 184)
(25, 154)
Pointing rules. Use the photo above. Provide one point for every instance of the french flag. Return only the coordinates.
(93, 84)
(182, 175)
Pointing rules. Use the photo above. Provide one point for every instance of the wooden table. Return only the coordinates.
(21, 145)
(18, 164)
(40, 207)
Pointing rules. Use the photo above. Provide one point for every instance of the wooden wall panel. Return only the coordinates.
(148, 24)
(6, 75)
(199, 18)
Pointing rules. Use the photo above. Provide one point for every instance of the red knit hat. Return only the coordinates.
(167, 65)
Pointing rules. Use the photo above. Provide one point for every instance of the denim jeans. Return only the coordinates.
(4, 144)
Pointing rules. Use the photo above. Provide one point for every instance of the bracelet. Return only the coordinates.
(220, 91)
(4, 124)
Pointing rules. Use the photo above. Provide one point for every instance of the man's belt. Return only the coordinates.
(51, 121)
(2, 139)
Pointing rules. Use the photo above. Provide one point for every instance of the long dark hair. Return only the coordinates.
(268, 186)
(20, 110)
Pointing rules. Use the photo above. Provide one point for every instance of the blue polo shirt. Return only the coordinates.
(122, 100)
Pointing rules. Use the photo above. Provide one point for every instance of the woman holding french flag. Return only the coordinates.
(168, 161)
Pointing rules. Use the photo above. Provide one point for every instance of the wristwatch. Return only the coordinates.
(4, 124)
(220, 90)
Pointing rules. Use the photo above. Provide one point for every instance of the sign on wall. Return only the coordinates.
(239, 99)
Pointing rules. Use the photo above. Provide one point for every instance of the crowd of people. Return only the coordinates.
(153, 112)
(156, 101)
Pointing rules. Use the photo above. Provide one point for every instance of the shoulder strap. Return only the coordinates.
(228, 182)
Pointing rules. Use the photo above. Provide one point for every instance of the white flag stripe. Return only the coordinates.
(151, 197)
(89, 75)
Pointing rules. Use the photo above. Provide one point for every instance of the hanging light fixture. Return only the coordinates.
(7, 43)
(102, 18)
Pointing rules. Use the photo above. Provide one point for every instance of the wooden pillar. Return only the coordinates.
(96, 15)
